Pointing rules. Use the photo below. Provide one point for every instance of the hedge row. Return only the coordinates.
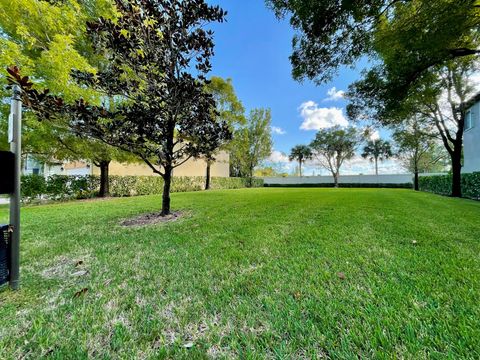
(442, 185)
(60, 187)
(344, 185)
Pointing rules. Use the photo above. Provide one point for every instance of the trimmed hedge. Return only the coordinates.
(345, 185)
(61, 187)
(442, 185)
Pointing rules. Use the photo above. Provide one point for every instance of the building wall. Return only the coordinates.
(343, 179)
(77, 168)
(471, 143)
(32, 166)
(220, 168)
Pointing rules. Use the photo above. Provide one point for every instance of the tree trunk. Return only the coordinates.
(207, 179)
(250, 177)
(104, 180)
(416, 159)
(376, 166)
(415, 182)
(456, 157)
(335, 180)
(300, 167)
(167, 182)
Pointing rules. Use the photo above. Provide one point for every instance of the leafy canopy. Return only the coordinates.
(300, 153)
(48, 39)
(417, 146)
(157, 54)
(377, 149)
(228, 108)
(331, 34)
(163, 113)
(252, 143)
(333, 146)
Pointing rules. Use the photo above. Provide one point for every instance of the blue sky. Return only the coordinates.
(252, 48)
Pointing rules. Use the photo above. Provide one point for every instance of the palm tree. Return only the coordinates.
(376, 150)
(300, 153)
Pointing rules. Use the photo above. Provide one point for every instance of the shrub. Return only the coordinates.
(442, 185)
(33, 186)
(84, 187)
(60, 187)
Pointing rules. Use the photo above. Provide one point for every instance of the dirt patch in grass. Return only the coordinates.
(152, 218)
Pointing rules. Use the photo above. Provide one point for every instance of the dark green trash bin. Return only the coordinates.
(4, 254)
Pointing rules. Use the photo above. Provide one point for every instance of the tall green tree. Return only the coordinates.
(411, 44)
(437, 100)
(417, 146)
(377, 150)
(157, 55)
(229, 109)
(47, 39)
(252, 143)
(331, 34)
(300, 153)
(333, 146)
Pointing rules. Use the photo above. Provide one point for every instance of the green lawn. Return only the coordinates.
(279, 273)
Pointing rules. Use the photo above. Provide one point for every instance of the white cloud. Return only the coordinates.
(316, 118)
(278, 130)
(278, 157)
(334, 94)
(474, 81)
(359, 165)
(375, 135)
(280, 161)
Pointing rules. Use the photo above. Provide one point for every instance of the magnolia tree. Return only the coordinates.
(333, 146)
(157, 56)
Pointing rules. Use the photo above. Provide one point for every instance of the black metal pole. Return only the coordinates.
(15, 139)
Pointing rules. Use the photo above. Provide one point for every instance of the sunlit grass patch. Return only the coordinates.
(281, 273)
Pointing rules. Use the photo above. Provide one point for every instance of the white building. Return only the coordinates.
(471, 136)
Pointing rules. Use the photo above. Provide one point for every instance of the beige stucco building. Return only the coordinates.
(192, 167)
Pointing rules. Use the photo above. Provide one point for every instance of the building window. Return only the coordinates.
(468, 120)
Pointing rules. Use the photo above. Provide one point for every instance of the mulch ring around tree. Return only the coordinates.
(152, 218)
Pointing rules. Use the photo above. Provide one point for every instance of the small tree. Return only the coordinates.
(252, 143)
(417, 147)
(300, 153)
(229, 109)
(377, 150)
(333, 146)
(157, 56)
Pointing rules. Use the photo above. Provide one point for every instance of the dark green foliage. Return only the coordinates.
(252, 143)
(62, 187)
(158, 54)
(377, 150)
(333, 146)
(418, 33)
(442, 185)
(33, 186)
(58, 187)
(300, 153)
(344, 185)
